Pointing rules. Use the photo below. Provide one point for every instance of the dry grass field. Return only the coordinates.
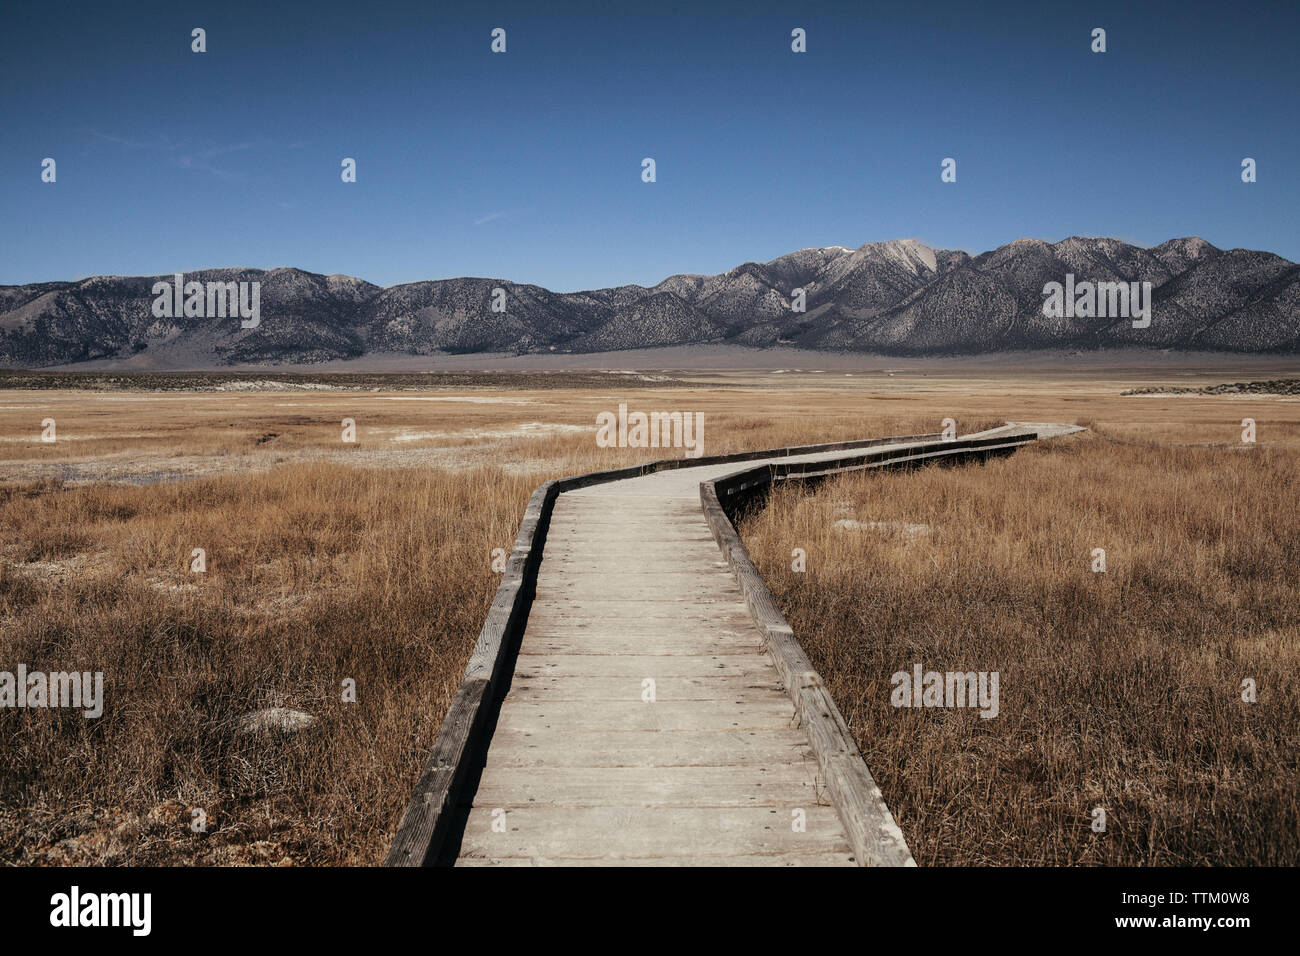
(370, 561)
(1120, 690)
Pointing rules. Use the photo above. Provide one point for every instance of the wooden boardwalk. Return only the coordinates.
(646, 721)
(632, 590)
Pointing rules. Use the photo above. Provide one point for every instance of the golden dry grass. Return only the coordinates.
(1120, 690)
(314, 574)
(367, 561)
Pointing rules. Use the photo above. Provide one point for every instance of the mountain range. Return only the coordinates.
(900, 297)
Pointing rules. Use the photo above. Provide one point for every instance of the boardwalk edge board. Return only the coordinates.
(873, 833)
(462, 739)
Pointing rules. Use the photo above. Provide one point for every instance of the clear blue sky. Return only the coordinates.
(526, 165)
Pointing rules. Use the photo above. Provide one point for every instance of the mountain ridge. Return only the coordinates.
(895, 297)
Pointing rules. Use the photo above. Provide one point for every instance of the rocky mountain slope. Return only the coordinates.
(899, 297)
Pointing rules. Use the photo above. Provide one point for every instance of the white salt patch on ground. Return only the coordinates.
(532, 467)
(172, 588)
(272, 385)
(62, 438)
(275, 719)
(157, 397)
(522, 430)
(906, 529)
(644, 378)
(1240, 396)
(527, 430)
(461, 398)
(39, 567)
(886, 527)
(550, 427)
(77, 565)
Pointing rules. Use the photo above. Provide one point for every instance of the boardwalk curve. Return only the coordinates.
(636, 697)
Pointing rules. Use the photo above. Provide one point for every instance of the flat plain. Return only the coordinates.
(371, 561)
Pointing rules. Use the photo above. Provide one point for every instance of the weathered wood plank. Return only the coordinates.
(527, 687)
(657, 588)
(713, 572)
(614, 716)
(627, 565)
(698, 572)
(670, 832)
(843, 858)
(746, 785)
(646, 646)
(641, 665)
(702, 633)
(675, 748)
(593, 609)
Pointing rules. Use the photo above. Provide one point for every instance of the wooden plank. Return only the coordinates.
(641, 665)
(631, 564)
(612, 516)
(711, 573)
(748, 785)
(698, 570)
(591, 540)
(527, 687)
(620, 517)
(603, 628)
(645, 646)
(695, 542)
(669, 832)
(656, 588)
(843, 858)
(675, 748)
(614, 716)
(666, 548)
(592, 609)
